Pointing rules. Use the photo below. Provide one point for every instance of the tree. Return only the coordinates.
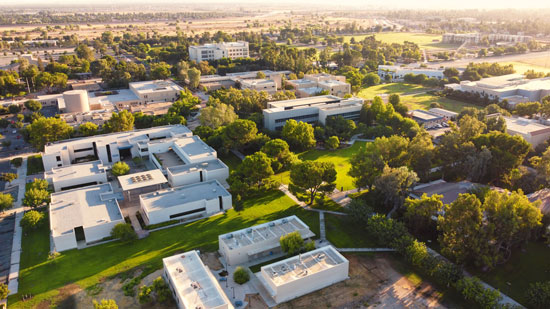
(33, 105)
(39, 184)
(332, 143)
(194, 76)
(312, 177)
(47, 130)
(256, 168)
(88, 129)
(119, 122)
(538, 295)
(217, 115)
(450, 72)
(473, 290)
(32, 219)
(542, 165)
(161, 289)
(241, 276)
(4, 292)
(6, 201)
(291, 243)
(419, 213)
(8, 177)
(279, 153)
(239, 133)
(299, 135)
(395, 184)
(340, 127)
(527, 108)
(420, 153)
(36, 197)
(124, 232)
(160, 70)
(120, 168)
(14, 108)
(84, 52)
(185, 104)
(144, 295)
(260, 75)
(105, 304)
(359, 211)
(371, 79)
(181, 70)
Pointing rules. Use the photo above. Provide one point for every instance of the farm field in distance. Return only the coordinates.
(424, 40)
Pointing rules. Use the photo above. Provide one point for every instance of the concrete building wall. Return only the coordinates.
(274, 120)
(58, 185)
(163, 214)
(64, 242)
(349, 112)
(182, 179)
(98, 232)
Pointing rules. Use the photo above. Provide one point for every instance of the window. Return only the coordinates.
(83, 149)
(185, 213)
(58, 158)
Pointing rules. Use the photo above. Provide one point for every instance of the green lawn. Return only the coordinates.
(424, 40)
(42, 277)
(339, 157)
(34, 165)
(343, 233)
(399, 88)
(230, 160)
(523, 268)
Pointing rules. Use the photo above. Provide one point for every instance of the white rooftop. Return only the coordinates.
(303, 265)
(267, 231)
(193, 167)
(171, 197)
(75, 171)
(155, 86)
(424, 115)
(303, 102)
(193, 282)
(525, 126)
(196, 148)
(141, 179)
(86, 207)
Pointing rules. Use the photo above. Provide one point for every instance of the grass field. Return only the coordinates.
(43, 277)
(523, 268)
(339, 157)
(423, 40)
(343, 233)
(525, 65)
(413, 96)
(230, 160)
(34, 165)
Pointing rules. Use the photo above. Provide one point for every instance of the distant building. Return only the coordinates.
(449, 190)
(450, 115)
(531, 130)
(459, 38)
(425, 118)
(76, 176)
(311, 110)
(85, 215)
(398, 73)
(312, 84)
(259, 241)
(192, 283)
(514, 88)
(197, 200)
(304, 273)
(230, 80)
(266, 85)
(207, 52)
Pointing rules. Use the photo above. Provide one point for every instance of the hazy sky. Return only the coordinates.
(434, 4)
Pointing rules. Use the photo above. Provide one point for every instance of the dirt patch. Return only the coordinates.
(373, 283)
(212, 260)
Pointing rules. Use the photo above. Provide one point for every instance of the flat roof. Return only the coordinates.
(122, 137)
(195, 148)
(323, 99)
(75, 171)
(257, 81)
(86, 207)
(332, 82)
(443, 111)
(272, 230)
(303, 265)
(141, 179)
(424, 115)
(155, 86)
(449, 190)
(302, 81)
(171, 197)
(525, 126)
(193, 281)
(193, 167)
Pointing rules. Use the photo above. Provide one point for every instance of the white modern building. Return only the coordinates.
(304, 273)
(310, 110)
(166, 153)
(426, 118)
(193, 284)
(207, 52)
(259, 241)
(133, 185)
(450, 115)
(76, 175)
(85, 215)
(197, 172)
(459, 38)
(266, 85)
(531, 130)
(398, 73)
(198, 200)
(215, 82)
(514, 88)
(109, 148)
(312, 84)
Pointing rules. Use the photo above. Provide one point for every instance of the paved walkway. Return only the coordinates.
(238, 154)
(356, 138)
(322, 225)
(341, 197)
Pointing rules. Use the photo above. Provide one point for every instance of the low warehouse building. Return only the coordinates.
(197, 200)
(84, 215)
(425, 118)
(76, 176)
(531, 130)
(192, 283)
(304, 273)
(259, 241)
(198, 172)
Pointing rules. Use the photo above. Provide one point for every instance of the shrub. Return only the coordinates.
(6, 201)
(17, 161)
(9, 177)
(32, 219)
(161, 290)
(120, 168)
(36, 197)
(291, 243)
(144, 296)
(4, 291)
(124, 232)
(332, 142)
(241, 276)
(538, 295)
(105, 304)
(472, 290)
(310, 245)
